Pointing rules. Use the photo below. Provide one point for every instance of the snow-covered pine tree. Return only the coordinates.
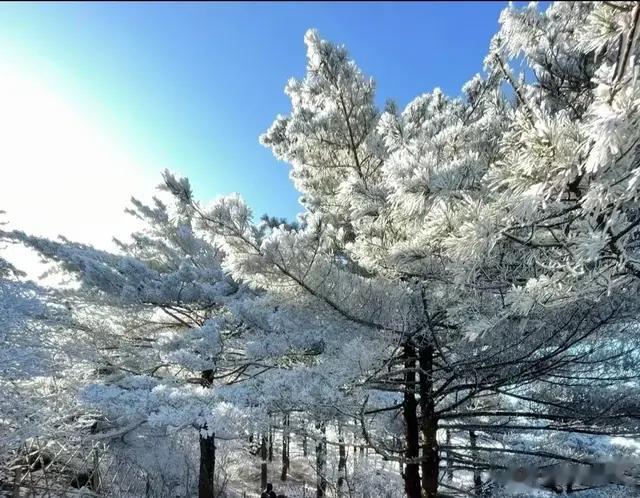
(164, 332)
(409, 229)
(465, 264)
(186, 346)
(41, 365)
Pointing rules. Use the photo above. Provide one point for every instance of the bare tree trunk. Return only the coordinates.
(270, 443)
(285, 448)
(321, 462)
(207, 466)
(207, 452)
(263, 466)
(477, 474)
(412, 435)
(429, 426)
(342, 461)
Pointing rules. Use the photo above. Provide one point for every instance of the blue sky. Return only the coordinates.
(190, 86)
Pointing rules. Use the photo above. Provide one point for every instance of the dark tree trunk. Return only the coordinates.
(207, 452)
(477, 474)
(412, 434)
(342, 461)
(321, 462)
(270, 444)
(263, 467)
(449, 461)
(429, 426)
(285, 448)
(207, 466)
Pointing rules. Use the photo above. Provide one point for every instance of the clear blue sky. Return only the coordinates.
(192, 85)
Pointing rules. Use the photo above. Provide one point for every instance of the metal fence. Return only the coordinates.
(56, 469)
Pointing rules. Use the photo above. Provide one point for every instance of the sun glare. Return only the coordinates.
(59, 171)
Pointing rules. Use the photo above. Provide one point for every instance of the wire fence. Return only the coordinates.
(56, 469)
(82, 466)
